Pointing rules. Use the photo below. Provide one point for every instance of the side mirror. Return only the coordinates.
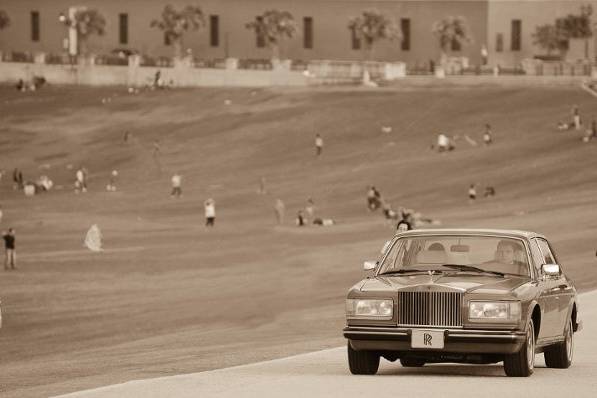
(551, 269)
(385, 247)
(369, 265)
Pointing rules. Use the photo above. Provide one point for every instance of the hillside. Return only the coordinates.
(169, 296)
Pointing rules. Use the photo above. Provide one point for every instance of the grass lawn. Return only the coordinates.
(169, 296)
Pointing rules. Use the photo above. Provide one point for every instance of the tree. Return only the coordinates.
(577, 26)
(372, 26)
(176, 23)
(272, 27)
(88, 22)
(4, 20)
(451, 30)
(550, 37)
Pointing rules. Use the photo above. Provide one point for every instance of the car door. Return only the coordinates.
(548, 297)
(564, 289)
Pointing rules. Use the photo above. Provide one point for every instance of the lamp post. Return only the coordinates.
(71, 23)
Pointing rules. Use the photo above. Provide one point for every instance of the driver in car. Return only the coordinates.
(506, 254)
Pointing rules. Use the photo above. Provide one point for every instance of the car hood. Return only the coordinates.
(469, 283)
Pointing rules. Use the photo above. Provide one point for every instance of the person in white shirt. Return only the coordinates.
(210, 212)
(80, 184)
(176, 185)
(318, 144)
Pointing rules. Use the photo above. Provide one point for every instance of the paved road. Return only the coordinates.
(325, 374)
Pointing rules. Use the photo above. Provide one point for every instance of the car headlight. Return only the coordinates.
(367, 308)
(498, 311)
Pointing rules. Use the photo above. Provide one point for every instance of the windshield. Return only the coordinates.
(457, 254)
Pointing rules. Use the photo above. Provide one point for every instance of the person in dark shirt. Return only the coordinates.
(9, 244)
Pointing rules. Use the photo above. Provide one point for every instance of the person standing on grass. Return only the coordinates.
(300, 219)
(487, 138)
(9, 245)
(472, 193)
(176, 186)
(210, 212)
(318, 144)
(80, 185)
(280, 209)
(17, 177)
(576, 117)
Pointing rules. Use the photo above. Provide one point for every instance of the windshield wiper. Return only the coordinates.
(462, 267)
(403, 271)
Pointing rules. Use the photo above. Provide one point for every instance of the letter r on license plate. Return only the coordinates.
(431, 339)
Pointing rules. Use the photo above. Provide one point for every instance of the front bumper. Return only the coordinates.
(463, 341)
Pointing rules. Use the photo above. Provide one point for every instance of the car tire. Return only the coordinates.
(522, 363)
(412, 362)
(560, 355)
(362, 362)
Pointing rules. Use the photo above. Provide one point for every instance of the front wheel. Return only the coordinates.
(559, 355)
(362, 362)
(522, 363)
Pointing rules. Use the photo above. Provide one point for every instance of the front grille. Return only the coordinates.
(430, 309)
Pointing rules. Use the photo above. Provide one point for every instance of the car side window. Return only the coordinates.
(538, 258)
(548, 257)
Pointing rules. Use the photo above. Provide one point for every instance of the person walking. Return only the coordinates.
(310, 209)
(576, 117)
(80, 185)
(280, 209)
(318, 145)
(17, 177)
(487, 138)
(112, 184)
(210, 212)
(472, 193)
(300, 219)
(176, 186)
(9, 245)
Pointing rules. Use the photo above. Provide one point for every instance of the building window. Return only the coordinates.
(455, 45)
(214, 30)
(260, 36)
(516, 33)
(167, 40)
(123, 28)
(35, 25)
(499, 42)
(405, 27)
(356, 42)
(308, 32)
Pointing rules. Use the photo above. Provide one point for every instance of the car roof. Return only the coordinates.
(511, 233)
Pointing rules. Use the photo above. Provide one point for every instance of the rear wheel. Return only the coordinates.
(522, 363)
(362, 362)
(412, 362)
(560, 355)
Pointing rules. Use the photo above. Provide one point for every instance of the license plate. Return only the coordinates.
(431, 339)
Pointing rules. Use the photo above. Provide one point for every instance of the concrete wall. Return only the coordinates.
(331, 39)
(97, 75)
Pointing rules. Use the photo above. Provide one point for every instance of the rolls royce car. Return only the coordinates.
(465, 296)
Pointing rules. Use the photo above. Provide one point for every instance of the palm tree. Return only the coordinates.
(87, 23)
(175, 23)
(4, 20)
(372, 26)
(272, 27)
(451, 30)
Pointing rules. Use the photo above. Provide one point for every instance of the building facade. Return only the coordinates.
(503, 27)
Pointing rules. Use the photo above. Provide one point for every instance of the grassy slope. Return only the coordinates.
(170, 297)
